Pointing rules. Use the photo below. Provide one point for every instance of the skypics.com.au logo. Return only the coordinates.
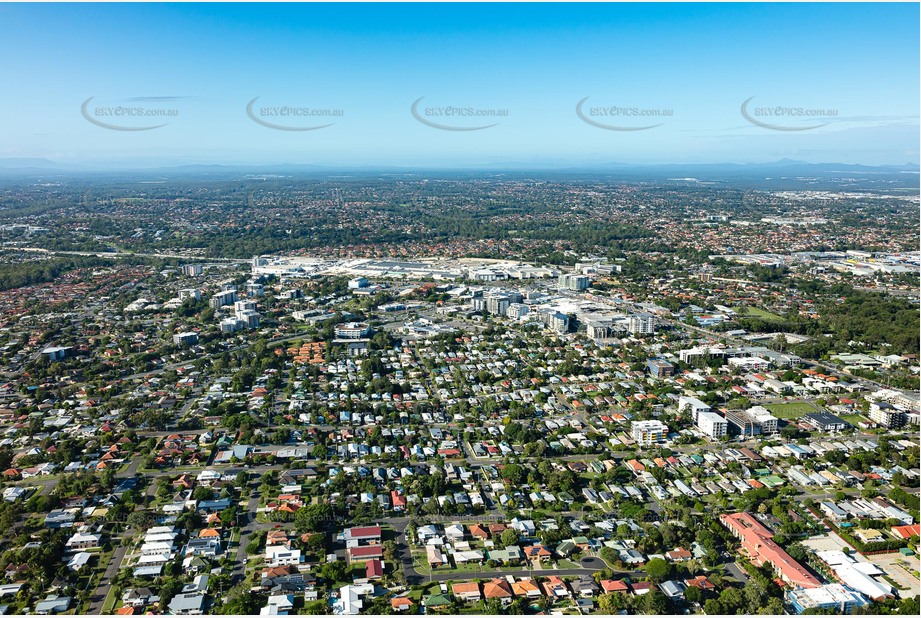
(135, 114)
(455, 118)
(278, 117)
(621, 118)
(786, 118)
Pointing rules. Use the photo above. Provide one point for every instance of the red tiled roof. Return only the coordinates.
(374, 568)
(614, 585)
(496, 589)
(367, 551)
(366, 531)
(758, 542)
(907, 531)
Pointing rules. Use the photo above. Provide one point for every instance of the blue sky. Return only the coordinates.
(852, 67)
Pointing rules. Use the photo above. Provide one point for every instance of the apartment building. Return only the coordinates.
(648, 433)
(758, 543)
(712, 424)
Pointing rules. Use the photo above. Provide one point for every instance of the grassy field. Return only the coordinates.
(755, 312)
(417, 594)
(853, 419)
(790, 410)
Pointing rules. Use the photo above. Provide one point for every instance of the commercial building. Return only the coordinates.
(185, 339)
(530, 272)
(641, 323)
(232, 325)
(712, 424)
(498, 304)
(357, 283)
(693, 405)
(660, 368)
(517, 311)
(554, 319)
(487, 274)
(750, 363)
(857, 576)
(758, 544)
(352, 330)
(887, 415)
(222, 299)
(601, 328)
(57, 353)
(244, 305)
(649, 432)
(829, 596)
(755, 421)
(825, 421)
(765, 355)
(574, 282)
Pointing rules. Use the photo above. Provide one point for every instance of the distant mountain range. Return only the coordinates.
(690, 171)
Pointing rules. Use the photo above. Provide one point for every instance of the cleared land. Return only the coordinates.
(791, 410)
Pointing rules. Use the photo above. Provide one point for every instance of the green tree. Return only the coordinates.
(658, 569)
(654, 602)
(509, 537)
(313, 517)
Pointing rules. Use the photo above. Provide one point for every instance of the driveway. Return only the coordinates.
(736, 571)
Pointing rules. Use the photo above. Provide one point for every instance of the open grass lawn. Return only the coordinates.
(422, 566)
(755, 312)
(790, 410)
(418, 593)
(476, 608)
(853, 419)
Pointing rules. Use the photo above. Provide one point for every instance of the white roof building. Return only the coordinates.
(857, 575)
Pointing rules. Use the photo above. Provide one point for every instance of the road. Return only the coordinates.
(105, 583)
(414, 577)
(249, 525)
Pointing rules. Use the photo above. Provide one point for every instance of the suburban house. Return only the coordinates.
(466, 591)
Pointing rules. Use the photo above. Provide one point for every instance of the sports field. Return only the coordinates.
(755, 312)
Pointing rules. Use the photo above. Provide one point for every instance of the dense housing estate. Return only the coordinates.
(643, 423)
